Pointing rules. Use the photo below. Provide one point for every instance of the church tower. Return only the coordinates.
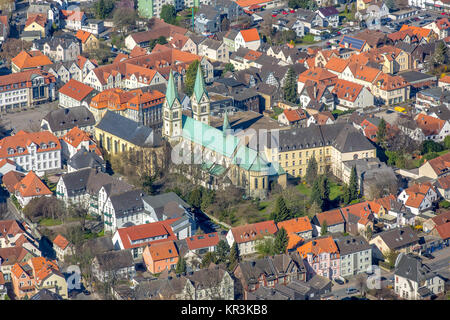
(172, 123)
(200, 100)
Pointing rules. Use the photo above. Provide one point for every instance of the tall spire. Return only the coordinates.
(226, 124)
(199, 87)
(171, 92)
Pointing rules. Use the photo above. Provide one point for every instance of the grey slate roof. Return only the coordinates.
(65, 40)
(127, 202)
(129, 130)
(212, 44)
(167, 204)
(86, 159)
(398, 237)
(67, 118)
(115, 260)
(412, 268)
(46, 294)
(91, 181)
(351, 244)
(415, 76)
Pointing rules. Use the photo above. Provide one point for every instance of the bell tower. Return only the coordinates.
(172, 113)
(200, 100)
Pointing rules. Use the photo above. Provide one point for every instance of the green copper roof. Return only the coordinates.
(226, 123)
(171, 92)
(199, 87)
(209, 137)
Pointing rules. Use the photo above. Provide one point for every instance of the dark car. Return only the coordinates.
(351, 290)
(428, 255)
(86, 292)
(339, 281)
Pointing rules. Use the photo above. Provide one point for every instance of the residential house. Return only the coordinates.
(4, 28)
(429, 226)
(136, 238)
(353, 43)
(401, 239)
(248, 38)
(320, 76)
(355, 255)
(85, 158)
(296, 117)
(321, 256)
(390, 89)
(298, 230)
(441, 27)
(320, 118)
(36, 274)
(61, 121)
(415, 280)
(330, 15)
(63, 47)
(37, 23)
(33, 59)
(30, 187)
(9, 256)
(113, 265)
(62, 247)
(419, 197)
(198, 245)
(358, 217)
(436, 168)
(160, 256)
(249, 235)
(268, 272)
(73, 93)
(88, 40)
(352, 95)
(433, 128)
(332, 220)
(75, 140)
(443, 187)
(73, 19)
(93, 26)
(214, 50)
(32, 151)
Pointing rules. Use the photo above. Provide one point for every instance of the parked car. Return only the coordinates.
(339, 281)
(351, 290)
(428, 255)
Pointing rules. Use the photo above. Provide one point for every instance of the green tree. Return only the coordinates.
(168, 13)
(208, 258)
(290, 86)
(311, 171)
(234, 256)
(181, 266)
(195, 198)
(345, 198)
(228, 67)
(431, 146)
(324, 228)
(321, 192)
(381, 133)
(266, 247)
(368, 233)
(390, 257)
(353, 187)
(447, 142)
(189, 80)
(281, 241)
(222, 251)
(281, 211)
(440, 56)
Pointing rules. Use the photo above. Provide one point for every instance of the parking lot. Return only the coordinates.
(29, 119)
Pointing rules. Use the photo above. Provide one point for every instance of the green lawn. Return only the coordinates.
(307, 39)
(304, 189)
(49, 222)
(277, 111)
(418, 162)
(335, 190)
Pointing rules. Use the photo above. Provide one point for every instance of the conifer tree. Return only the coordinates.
(311, 171)
(353, 185)
(281, 211)
(281, 241)
(181, 266)
(290, 86)
(189, 80)
(324, 228)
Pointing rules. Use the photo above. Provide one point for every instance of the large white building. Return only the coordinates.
(36, 151)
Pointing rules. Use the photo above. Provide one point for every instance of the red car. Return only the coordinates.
(443, 13)
(274, 15)
(338, 33)
(292, 11)
(284, 12)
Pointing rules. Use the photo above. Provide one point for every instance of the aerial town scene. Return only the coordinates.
(225, 150)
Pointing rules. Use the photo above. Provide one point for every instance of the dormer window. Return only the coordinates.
(52, 144)
(11, 151)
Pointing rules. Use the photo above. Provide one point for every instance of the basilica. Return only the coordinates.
(216, 157)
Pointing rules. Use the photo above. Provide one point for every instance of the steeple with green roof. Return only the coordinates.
(199, 87)
(200, 100)
(226, 124)
(171, 92)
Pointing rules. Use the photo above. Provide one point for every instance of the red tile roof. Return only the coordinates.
(10, 179)
(251, 232)
(347, 90)
(163, 250)
(296, 225)
(318, 246)
(83, 35)
(32, 186)
(250, 35)
(24, 139)
(429, 125)
(332, 217)
(294, 115)
(444, 231)
(32, 59)
(146, 231)
(203, 241)
(75, 136)
(441, 164)
(61, 242)
(76, 90)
